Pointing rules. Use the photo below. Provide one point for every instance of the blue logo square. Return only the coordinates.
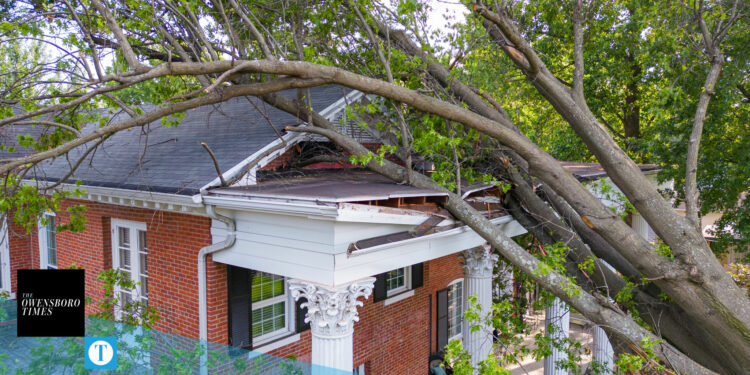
(100, 353)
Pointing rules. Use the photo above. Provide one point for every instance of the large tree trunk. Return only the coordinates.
(599, 310)
(695, 281)
(631, 112)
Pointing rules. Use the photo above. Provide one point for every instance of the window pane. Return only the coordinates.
(266, 285)
(269, 319)
(124, 258)
(142, 250)
(144, 286)
(395, 279)
(141, 241)
(455, 308)
(51, 242)
(144, 264)
(123, 236)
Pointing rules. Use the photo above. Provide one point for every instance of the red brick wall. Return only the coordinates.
(394, 339)
(391, 339)
(20, 248)
(173, 241)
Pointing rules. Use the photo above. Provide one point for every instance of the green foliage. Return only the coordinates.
(611, 197)
(28, 204)
(625, 295)
(134, 312)
(664, 250)
(628, 362)
(646, 360)
(588, 265)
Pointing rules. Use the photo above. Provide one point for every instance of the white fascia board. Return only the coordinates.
(281, 267)
(290, 138)
(362, 213)
(330, 112)
(386, 257)
(340, 212)
(300, 208)
(126, 197)
(339, 268)
(416, 240)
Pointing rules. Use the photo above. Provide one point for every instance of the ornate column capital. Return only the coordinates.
(332, 311)
(478, 261)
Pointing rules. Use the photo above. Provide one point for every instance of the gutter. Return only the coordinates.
(426, 237)
(210, 249)
(287, 206)
(125, 194)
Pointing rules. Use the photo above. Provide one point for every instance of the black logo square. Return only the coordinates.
(51, 303)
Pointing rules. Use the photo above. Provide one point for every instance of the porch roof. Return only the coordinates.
(328, 186)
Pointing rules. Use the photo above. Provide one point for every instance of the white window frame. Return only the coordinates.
(43, 243)
(359, 370)
(135, 259)
(289, 310)
(404, 288)
(5, 258)
(459, 335)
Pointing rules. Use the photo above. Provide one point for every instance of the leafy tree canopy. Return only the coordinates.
(500, 96)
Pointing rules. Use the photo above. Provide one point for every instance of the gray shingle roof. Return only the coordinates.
(171, 160)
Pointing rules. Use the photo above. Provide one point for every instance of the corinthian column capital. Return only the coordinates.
(332, 311)
(478, 262)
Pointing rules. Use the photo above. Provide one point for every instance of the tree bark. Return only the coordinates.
(601, 313)
(697, 282)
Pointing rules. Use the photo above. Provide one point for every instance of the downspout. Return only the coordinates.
(210, 249)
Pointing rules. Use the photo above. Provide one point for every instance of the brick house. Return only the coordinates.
(332, 264)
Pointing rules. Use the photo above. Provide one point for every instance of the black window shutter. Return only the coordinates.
(300, 315)
(442, 319)
(417, 275)
(240, 306)
(380, 293)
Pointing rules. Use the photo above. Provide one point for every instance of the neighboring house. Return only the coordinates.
(735, 253)
(595, 178)
(225, 264)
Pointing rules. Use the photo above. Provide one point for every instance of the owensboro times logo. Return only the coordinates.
(43, 307)
(51, 303)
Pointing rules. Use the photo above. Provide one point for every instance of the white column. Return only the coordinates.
(603, 352)
(557, 324)
(478, 264)
(331, 312)
(640, 225)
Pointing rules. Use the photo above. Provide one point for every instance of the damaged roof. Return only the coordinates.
(329, 185)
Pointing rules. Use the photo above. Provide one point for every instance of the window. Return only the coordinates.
(455, 308)
(4, 259)
(130, 255)
(269, 305)
(48, 242)
(398, 281)
(261, 310)
(359, 370)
